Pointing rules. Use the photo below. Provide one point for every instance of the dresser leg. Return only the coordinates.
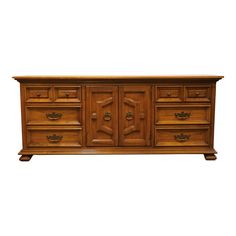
(210, 157)
(25, 157)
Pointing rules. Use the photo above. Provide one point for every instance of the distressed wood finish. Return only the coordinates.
(118, 115)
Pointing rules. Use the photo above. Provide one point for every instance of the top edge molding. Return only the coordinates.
(116, 77)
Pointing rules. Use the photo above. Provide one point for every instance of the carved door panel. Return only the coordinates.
(102, 112)
(134, 115)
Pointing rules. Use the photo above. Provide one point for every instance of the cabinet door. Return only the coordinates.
(101, 115)
(134, 115)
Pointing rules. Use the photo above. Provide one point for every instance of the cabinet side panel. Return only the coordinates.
(213, 98)
(23, 115)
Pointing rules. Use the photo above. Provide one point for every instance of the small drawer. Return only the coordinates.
(39, 94)
(182, 115)
(38, 137)
(197, 93)
(169, 94)
(182, 137)
(68, 94)
(53, 115)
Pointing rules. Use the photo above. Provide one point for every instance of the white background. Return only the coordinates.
(117, 195)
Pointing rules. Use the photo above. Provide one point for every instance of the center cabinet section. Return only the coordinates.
(118, 115)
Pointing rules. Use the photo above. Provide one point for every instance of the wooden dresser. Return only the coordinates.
(118, 115)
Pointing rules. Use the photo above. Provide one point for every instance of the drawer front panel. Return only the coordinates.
(181, 137)
(54, 138)
(182, 115)
(169, 93)
(68, 94)
(53, 116)
(39, 94)
(198, 93)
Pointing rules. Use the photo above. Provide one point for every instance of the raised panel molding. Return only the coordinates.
(134, 119)
(101, 106)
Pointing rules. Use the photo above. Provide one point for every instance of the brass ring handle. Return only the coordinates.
(107, 116)
(129, 115)
(54, 138)
(182, 115)
(54, 116)
(182, 137)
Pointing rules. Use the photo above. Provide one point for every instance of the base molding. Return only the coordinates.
(117, 150)
(27, 154)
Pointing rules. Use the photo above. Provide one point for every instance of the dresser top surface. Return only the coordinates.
(117, 77)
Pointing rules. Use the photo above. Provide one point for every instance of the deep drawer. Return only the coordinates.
(182, 137)
(53, 115)
(50, 137)
(182, 115)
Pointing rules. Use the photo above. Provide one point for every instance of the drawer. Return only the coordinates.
(39, 94)
(38, 137)
(182, 137)
(169, 93)
(197, 93)
(53, 115)
(183, 115)
(67, 93)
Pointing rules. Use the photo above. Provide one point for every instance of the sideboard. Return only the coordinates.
(118, 115)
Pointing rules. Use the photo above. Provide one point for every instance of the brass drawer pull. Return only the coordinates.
(54, 138)
(197, 94)
(129, 115)
(38, 95)
(182, 115)
(107, 116)
(54, 116)
(182, 137)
